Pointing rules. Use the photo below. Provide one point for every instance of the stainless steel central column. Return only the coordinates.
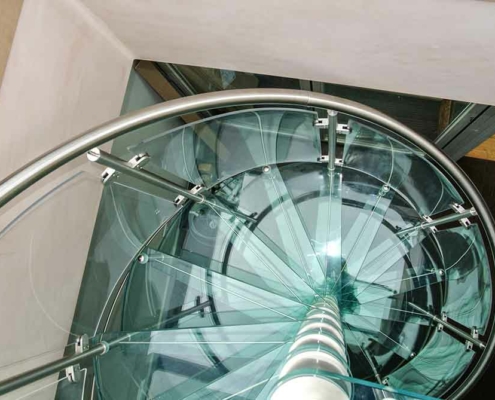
(318, 348)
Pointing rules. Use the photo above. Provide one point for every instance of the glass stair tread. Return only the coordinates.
(185, 361)
(246, 382)
(293, 234)
(234, 302)
(255, 253)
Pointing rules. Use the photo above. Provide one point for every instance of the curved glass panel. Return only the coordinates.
(211, 150)
(403, 167)
(439, 364)
(64, 245)
(192, 363)
(56, 386)
(469, 292)
(44, 240)
(128, 215)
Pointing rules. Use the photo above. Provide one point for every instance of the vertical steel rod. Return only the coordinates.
(332, 138)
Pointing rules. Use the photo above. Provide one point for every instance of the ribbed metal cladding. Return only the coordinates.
(319, 346)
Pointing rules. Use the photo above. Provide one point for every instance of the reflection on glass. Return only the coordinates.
(213, 149)
(406, 170)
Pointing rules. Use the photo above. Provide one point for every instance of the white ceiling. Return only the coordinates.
(439, 48)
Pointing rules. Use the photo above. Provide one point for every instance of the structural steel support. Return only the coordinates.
(474, 125)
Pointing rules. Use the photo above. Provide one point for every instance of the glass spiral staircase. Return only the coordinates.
(277, 252)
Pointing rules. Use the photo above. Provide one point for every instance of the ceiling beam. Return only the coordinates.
(470, 128)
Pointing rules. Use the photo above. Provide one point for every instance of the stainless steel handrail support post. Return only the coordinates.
(111, 161)
(18, 381)
(449, 327)
(33, 375)
(440, 221)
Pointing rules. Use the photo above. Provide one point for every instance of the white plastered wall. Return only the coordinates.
(437, 48)
(66, 73)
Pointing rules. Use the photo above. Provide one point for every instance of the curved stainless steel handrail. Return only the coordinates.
(40, 167)
(20, 180)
